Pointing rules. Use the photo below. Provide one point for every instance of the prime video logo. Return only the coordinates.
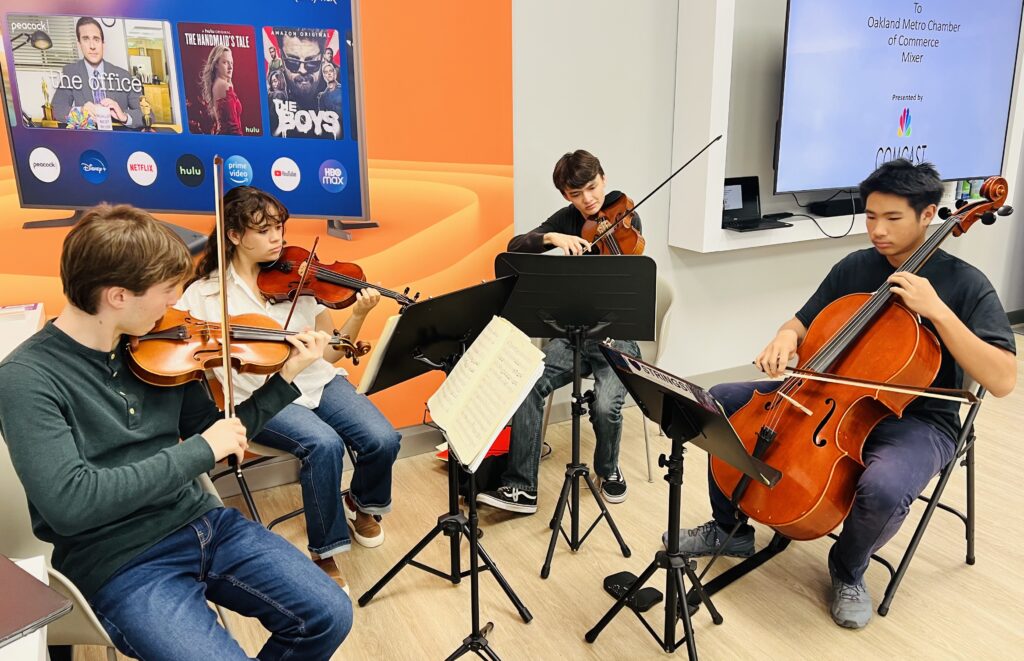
(25, 27)
(239, 170)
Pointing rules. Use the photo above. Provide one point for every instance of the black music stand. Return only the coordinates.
(686, 413)
(434, 334)
(579, 298)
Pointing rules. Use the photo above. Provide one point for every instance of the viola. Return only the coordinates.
(611, 231)
(333, 285)
(865, 357)
(181, 348)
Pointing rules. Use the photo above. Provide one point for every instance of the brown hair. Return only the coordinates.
(245, 208)
(119, 246)
(575, 170)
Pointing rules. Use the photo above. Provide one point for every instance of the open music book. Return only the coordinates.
(486, 387)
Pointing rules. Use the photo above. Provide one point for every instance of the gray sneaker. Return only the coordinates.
(707, 539)
(851, 604)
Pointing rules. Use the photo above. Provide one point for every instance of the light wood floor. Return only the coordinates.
(944, 609)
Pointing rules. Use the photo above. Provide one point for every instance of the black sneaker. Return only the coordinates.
(613, 487)
(512, 499)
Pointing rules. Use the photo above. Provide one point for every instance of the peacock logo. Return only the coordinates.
(904, 130)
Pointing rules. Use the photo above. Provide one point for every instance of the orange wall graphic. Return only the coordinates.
(438, 113)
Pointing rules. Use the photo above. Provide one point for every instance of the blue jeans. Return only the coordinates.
(318, 438)
(901, 455)
(605, 411)
(155, 606)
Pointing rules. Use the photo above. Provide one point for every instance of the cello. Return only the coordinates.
(864, 357)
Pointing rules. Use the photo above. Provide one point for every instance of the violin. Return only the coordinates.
(180, 348)
(611, 231)
(865, 357)
(334, 285)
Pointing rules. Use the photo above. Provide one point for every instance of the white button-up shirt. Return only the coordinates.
(202, 301)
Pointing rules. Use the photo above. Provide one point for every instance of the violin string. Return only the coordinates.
(341, 279)
(255, 333)
(831, 350)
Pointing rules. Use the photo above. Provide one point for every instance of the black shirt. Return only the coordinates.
(963, 288)
(567, 220)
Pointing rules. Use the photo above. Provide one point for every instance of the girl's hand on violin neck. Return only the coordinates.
(226, 438)
(570, 245)
(774, 358)
(307, 347)
(366, 300)
(917, 294)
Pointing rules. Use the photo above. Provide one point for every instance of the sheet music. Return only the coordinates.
(486, 387)
(377, 358)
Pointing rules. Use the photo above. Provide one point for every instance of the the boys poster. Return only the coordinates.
(304, 94)
(220, 77)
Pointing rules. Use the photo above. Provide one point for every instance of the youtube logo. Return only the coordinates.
(285, 174)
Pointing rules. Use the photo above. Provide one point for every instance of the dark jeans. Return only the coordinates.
(901, 455)
(155, 606)
(605, 411)
(318, 438)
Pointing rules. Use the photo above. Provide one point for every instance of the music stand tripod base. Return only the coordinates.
(686, 413)
(576, 298)
(433, 334)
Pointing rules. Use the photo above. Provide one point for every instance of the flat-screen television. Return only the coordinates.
(869, 81)
(131, 102)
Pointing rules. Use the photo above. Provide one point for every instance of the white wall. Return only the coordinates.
(601, 75)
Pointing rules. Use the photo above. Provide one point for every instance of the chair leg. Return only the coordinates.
(970, 504)
(908, 555)
(247, 497)
(647, 449)
(111, 654)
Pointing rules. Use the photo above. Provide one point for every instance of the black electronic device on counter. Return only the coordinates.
(741, 207)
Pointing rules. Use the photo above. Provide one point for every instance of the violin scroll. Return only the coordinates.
(352, 350)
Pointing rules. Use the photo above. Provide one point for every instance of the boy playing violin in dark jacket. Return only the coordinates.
(578, 176)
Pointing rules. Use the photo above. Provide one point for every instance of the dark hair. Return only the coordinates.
(245, 208)
(119, 246)
(88, 20)
(920, 184)
(575, 170)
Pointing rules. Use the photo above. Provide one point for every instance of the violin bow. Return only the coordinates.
(302, 281)
(611, 228)
(950, 394)
(222, 273)
(298, 290)
(222, 276)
